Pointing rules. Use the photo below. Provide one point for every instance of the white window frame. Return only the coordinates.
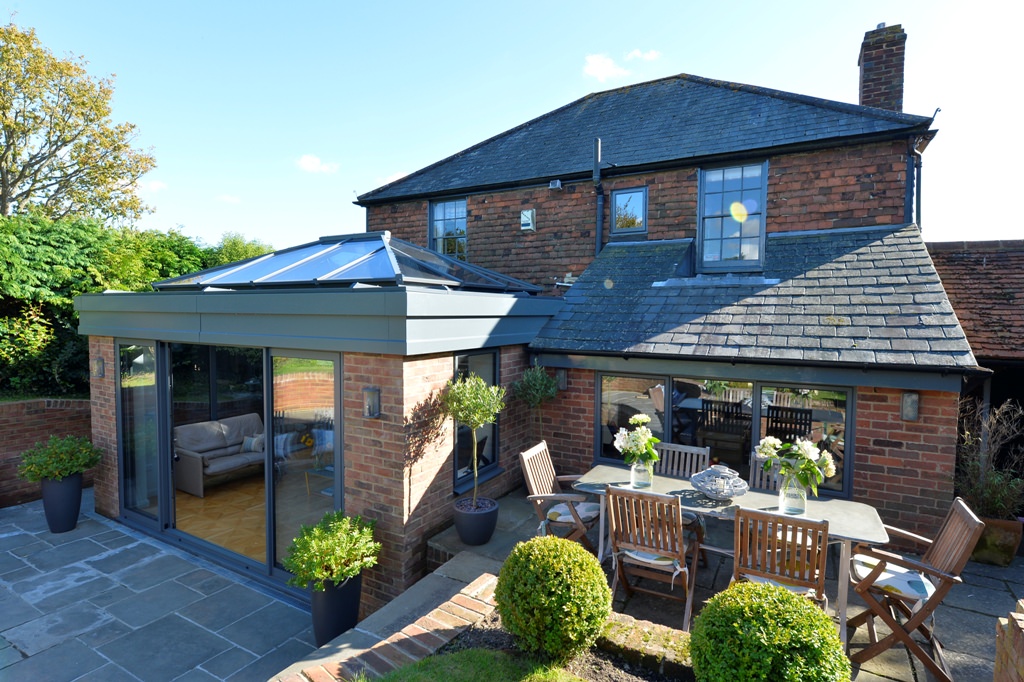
(713, 205)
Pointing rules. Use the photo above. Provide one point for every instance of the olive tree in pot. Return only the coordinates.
(58, 465)
(990, 475)
(534, 388)
(329, 558)
(472, 403)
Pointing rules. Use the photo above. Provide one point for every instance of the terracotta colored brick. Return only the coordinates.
(374, 662)
(424, 637)
(410, 645)
(461, 612)
(483, 608)
(394, 654)
(320, 674)
(438, 627)
(449, 619)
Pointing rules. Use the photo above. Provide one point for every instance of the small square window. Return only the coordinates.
(629, 211)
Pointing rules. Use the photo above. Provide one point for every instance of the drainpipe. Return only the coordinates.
(912, 205)
(600, 196)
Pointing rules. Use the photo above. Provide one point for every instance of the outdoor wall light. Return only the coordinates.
(562, 377)
(909, 403)
(97, 369)
(371, 402)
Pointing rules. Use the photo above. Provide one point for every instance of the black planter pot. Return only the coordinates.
(62, 500)
(476, 526)
(336, 609)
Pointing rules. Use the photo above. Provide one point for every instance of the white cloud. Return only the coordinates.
(229, 199)
(602, 67)
(313, 164)
(150, 187)
(648, 56)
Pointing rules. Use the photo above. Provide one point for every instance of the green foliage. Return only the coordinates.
(336, 548)
(60, 153)
(58, 458)
(753, 631)
(535, 386)
(553, 597)
(475, 665)
(990, 459)
(233, 247)
(471, 402)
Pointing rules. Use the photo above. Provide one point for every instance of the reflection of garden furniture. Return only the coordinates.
(894, 587)
(210, 452)
(725, 428)
(787, 423)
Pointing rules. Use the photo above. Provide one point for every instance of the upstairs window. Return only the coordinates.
(448, 228)
(629, 211)
(732, 225)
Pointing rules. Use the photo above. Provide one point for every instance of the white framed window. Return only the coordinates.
(448, 228)
(629, 211)
(732, 220)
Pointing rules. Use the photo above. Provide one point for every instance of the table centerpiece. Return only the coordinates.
(800, 465)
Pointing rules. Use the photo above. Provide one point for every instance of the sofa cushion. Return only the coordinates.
(237, 428)
(226, 463)
(200, 437)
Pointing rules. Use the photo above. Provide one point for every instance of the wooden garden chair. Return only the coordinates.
(789, 551)
(895, 587)
(681, 461)
(653, 539)
(759, 479)
(568, 515)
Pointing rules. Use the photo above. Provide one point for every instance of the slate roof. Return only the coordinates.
(849, 296)
(985, 284)
(648, 125)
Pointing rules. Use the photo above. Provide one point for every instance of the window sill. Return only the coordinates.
(482, 477)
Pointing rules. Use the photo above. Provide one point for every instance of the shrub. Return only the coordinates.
(553, 597)
(337, 548)
(58, 458)
(535, 387)
(763, 632)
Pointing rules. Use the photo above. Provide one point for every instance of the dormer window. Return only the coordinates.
(448, 228)
(732, 225)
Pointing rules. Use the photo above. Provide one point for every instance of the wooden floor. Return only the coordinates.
(233, 515)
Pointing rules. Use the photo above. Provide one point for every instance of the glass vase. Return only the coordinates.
(792, 495)
(641, 474)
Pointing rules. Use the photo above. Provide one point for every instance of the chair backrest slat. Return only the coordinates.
(956, 539)
(787, 549)
(760, 479)
(647, 522)
(539, 473)
(681, 461)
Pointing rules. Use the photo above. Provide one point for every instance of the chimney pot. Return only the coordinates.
(881, 67)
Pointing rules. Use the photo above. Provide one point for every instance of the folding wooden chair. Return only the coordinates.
(652, 539)
(894, 587)
(681, 461)
(759, 479)
(788, 551)
(568, 515)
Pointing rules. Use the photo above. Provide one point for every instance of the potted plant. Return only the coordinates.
(58, 465)
(534, 388)
(637, 448)
(472, 403)
(990, 475)
(801, 465)
(329, 558)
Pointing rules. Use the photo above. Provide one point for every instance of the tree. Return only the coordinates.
(233, 247)
(60, 153)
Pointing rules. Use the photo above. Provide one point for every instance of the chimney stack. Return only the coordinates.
(881, 68)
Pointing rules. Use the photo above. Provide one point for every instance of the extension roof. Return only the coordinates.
(857, 297)
(647, 126)
(985, 284)
(346, 261)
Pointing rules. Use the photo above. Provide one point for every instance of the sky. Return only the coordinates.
(269, 119)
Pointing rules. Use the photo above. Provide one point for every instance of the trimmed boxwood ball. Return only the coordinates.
(753, 631)
(553, 597)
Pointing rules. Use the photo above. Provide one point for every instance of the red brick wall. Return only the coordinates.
(1010, 646)
(842, 187)
(27, 422)
(104, 425)
(903, 468)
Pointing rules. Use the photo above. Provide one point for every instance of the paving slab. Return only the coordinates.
(161, 567)
(51, 629)
(50, 557)
(67, 661)
(156, 602)
(221, 609)
(265, 667)
(262, 631)
(165, 649)
(14, 610)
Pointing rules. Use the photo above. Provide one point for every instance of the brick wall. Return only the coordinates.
(27, 422)
(104, 425)
(1010, 646)
(858, 185)
(902, 468)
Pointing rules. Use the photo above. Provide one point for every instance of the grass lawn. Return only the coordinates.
(475, 665)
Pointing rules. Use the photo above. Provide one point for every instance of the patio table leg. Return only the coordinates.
(602, 534)
(842, 590)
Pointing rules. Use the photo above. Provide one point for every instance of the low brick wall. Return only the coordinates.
(1010, 646)
(23, 424)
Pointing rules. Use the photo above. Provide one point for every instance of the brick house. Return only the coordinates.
(735, 262)
(732, 260)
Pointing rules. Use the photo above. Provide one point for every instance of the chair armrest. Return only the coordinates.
(911, 564)
(568, 478)
(893, 530)
(558, 497)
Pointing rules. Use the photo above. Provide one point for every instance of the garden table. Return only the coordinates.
(848, 521)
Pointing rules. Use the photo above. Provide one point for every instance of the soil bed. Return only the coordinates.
(594, 665)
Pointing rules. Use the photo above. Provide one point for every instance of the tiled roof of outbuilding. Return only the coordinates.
(985, 284)
(658, 122)
(859, 296)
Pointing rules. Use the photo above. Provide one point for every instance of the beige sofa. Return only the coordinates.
(212, 452)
